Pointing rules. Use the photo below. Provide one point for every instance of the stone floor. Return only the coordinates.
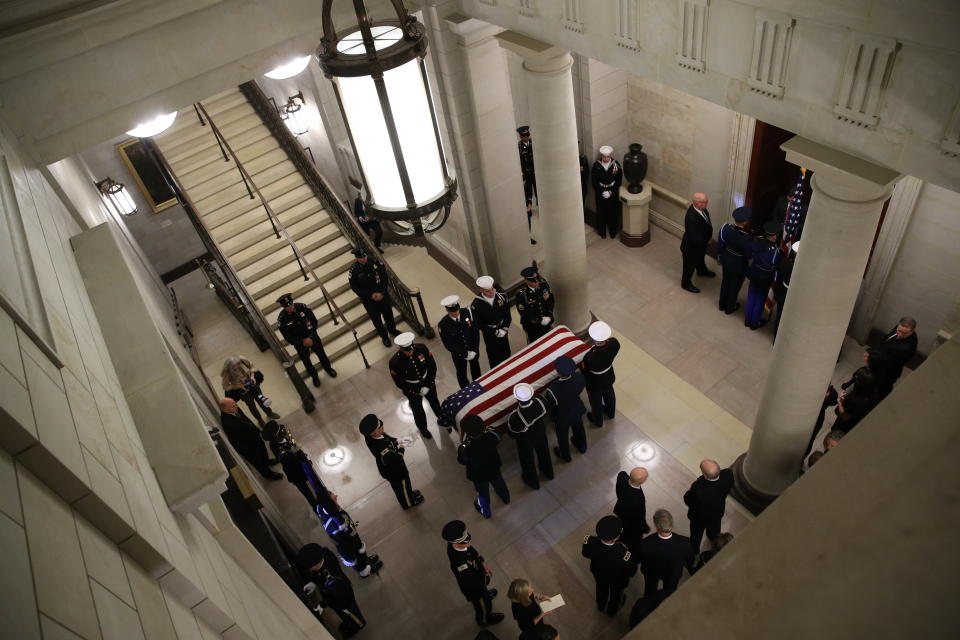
(689, 379)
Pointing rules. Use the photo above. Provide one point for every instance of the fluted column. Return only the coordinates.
(556, 158)
(848, 195)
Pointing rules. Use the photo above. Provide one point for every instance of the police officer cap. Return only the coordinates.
(600, 331)
(472, 425)
(309, 555)
(606, 150)
(795, 247)
(524, 130)
(455, 531)
(609, 528)
(522, 391)
(771, 228)
(565, 365)
(451, 303)
(742, 214)
(285, 300)
(485, 282)
(530, 273)
(358, 252)
(404, 340)
(369, 423)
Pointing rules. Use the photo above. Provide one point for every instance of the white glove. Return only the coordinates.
(319, 610)
(501, 332)
(605, 194)
(424, 390)
(471, 355)
(544, 321)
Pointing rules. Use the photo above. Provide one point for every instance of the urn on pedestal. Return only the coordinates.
(635, 167)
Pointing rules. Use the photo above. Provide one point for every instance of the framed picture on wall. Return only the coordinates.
(148, 176)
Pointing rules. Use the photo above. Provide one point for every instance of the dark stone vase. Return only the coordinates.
(635, 167)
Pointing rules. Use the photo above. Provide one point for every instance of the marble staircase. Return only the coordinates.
(239, 225)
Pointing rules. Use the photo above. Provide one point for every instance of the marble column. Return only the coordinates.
(553, 127)
(848, 195)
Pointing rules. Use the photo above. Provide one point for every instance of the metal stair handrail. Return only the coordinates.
(279, 228)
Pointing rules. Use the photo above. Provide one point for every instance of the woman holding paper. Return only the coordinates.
(526, 607)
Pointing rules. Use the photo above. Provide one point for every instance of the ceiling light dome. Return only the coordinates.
(153, 127)
(289, 69)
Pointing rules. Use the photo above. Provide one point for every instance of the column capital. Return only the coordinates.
(538, 56)
(841, 175)
(470, 31)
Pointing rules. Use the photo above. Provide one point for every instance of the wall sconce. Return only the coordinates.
(117, 197)
(291, 114)
(153, 126)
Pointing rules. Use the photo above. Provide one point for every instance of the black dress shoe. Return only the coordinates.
(331, 372)
(492, 593)
(556, 450)
(273, 461)
(493, 618)
(316, 381)
(532, 241)
(707, 274)
(393, 332)
(273, 475)
(593, 420)
(426, 435)
(385, 340)
(734, 310)
(690, 288)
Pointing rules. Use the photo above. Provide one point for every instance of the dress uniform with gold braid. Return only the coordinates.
(414, 371)
(388, 454)
(535, 304)
(598, 373)
(297, 322)
(467, 566)
(611, 563)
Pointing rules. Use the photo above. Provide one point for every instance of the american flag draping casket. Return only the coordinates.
(491, 395)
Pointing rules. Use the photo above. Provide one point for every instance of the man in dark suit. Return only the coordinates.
(246, 439)
(461, 336)
(897, 348)
(663, 555)
(697, 231)
(707, 500)
(631, 507)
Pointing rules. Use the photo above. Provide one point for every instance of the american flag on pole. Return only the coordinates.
(491, 395)
(791, 223)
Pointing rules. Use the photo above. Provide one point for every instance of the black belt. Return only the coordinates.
(607, 186)
(734, 253)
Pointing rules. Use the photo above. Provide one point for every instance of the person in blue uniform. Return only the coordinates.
(414, 371)
(611, 563)
(606, 176)
(568, 407)
(491, 312)
(734, 247)
(525, 425)
(461, 337)
(368, 279)
(298, 325)
(763, 262)
(598, 373)
(478, 453)
(781, 286)
(471, 571)
(535, 304)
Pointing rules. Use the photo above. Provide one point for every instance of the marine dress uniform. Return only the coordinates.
(414, 371)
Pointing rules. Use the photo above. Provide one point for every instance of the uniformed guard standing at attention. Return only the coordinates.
(478, 453)
(764, 259)
(414, 371)
(472, 573)
(368, 279)
(389, 456)
(371, 225)
(734, 246)
(491, 311)
(598, 372)
(461, 337)
(525, 425)
(535, 304)
(568, 407)
(298, 326)
(329, 587)
(611, 563)
(607, 174)
(782, 283)
(525, 149)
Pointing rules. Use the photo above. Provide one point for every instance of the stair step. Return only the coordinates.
(309, 246)
(211, 170)
(262, 236)
(213, 200)
(216, 212)
(284, 276)
(284, 202)
(342, 345)
(193, 135)
(231, 176)
(342, 295)
(267, 301)
(216, 104)
(207, 155)
(268, 243)
(249, 219)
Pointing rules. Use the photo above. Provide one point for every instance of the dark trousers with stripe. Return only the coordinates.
(756, 298)
(608, 595)
(317, 348)
(730, 285)
(482, 607)
(416, 406)
(564, 426)
(403, 491)
(350, 614)
(602, 402)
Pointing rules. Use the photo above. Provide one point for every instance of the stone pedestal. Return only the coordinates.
(848, 195)
(636, 216)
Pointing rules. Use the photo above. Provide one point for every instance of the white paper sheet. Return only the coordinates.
(553, 603)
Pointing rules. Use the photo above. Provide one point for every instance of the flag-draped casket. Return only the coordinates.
(491, 395)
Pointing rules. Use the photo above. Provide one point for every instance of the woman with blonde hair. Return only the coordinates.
(526, 607)
(241, 381)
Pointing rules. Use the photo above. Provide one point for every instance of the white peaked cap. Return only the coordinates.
(606, 150)
(449, 301)
(796, 246)
(485, 282)
(522, 392)
(600, 331)
(405, 339)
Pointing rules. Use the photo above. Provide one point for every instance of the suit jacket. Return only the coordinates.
(631, 508)
(696, 232)
(243, 434)
(665, 558)
(896, 354)
(706, 499)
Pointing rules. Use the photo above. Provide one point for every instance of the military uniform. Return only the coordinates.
(298, 325)
(468, 568)
(478, 453)
(734, 246)
(525, 425)
(598, 373)
(369, 278)
(525, 150)
(492, 316)
(764, 259)
(533, 305)
(388, 455)
(782, 285)
(461, 337)
(413, 372)
(611, 564)
(370, 225)
(568, 408)
(606, 180)
(331, 588)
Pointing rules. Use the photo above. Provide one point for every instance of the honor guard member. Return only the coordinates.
(461, 337)
(782, 283)
(491, 311)
(607, 174)
(697, 231)
(597, 367)
(368, 279)
(370, 225)
(568, 407)
(298, 326)
(525, 149)
(525, 425)
(631, 507)
(329, 587)
(414, 371)
(336, 521)
(472, 573)
(478, 453)
(389, 456)
(764, 259)
(535, 304)
(734, 246)
(611, 563)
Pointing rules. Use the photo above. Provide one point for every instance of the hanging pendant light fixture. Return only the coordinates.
(117, 197)
(380, 79)
(293, 116)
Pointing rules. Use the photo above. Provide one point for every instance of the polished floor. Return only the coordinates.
(689, 380)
